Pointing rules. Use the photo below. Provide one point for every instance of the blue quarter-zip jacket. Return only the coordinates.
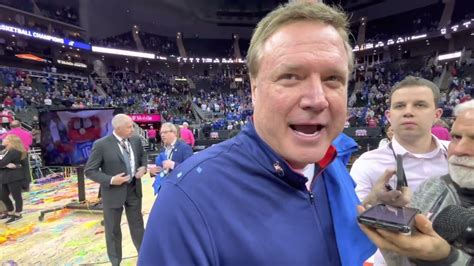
(239, 203)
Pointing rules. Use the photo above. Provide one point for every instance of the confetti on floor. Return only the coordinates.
(64, 237)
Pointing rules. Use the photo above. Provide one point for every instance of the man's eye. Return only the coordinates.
(455, 137)
(289, 77)
(335, 78)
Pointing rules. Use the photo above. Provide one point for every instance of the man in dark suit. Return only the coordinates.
(117, 162)
(175, 149)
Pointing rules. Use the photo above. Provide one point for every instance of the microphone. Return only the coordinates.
(455, 223)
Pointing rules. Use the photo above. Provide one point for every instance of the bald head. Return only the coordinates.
(123, 125)
(120, 120)
(461, 147)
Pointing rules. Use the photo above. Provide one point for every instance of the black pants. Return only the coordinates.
(113, 232)
(13, 188)
(152, 144)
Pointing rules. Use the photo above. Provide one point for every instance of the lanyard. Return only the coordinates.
(170, 154)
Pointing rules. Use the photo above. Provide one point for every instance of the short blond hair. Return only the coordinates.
(294, 12)
(170, 126)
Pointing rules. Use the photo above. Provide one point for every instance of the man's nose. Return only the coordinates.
(314, 96)
(408, 111)
(465, 147)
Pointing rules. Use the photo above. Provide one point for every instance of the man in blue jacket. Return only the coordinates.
(175, 149)
(174, 152)
(276, 194)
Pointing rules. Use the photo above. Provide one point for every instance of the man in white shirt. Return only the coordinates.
(413, 110)
(47, 101)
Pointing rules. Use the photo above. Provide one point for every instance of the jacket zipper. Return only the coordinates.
(311, 197)
(279, 171)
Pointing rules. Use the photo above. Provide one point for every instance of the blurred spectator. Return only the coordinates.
(186, 134)
(440, 130)
(7, 117)
(388, 131)
(24, 135)
(2, 130)
(151, 132)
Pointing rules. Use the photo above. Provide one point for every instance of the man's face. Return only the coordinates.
(300, 93)
(412, 113)
(168, 136)
(125, 131)
(461, 150)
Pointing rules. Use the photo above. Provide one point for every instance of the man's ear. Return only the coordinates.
(438, 113)
(253, 88)
(387, 115)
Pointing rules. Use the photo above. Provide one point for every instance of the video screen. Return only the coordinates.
(67, 135)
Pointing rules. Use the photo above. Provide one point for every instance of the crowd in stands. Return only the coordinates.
(145, 92)
(369, 100)
(159, 44)
(148, 92)
(227, 102)
(47, 9)
(414, 22)
(151, 43)
(235, 109)
(62, 13)
(39, 26)
(122, 41)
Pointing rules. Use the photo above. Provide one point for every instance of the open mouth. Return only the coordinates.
(307, 130)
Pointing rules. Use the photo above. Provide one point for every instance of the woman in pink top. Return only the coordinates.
(151, 138)
(186, 134)
(440, 130)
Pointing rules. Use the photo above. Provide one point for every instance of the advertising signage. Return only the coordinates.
(43, 36)
(145, 118)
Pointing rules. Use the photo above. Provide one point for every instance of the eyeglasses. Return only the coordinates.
(165, 131)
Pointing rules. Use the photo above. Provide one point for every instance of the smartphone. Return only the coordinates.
(401, 178)
(397, 219)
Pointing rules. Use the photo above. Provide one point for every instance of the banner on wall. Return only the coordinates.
(145, 118)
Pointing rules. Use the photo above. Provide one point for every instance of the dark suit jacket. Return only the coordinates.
(8, 175)
(106, 160)
(181, 152)
(25, 166)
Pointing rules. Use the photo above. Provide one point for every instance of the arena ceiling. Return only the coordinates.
(206, 18)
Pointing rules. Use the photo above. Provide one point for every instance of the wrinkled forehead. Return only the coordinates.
(318, 38)
(464, 123)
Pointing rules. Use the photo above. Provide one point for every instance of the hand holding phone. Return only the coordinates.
(397, 219)
(425, 245)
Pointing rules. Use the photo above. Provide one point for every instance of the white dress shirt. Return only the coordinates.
(131, 155)
(370, 166)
